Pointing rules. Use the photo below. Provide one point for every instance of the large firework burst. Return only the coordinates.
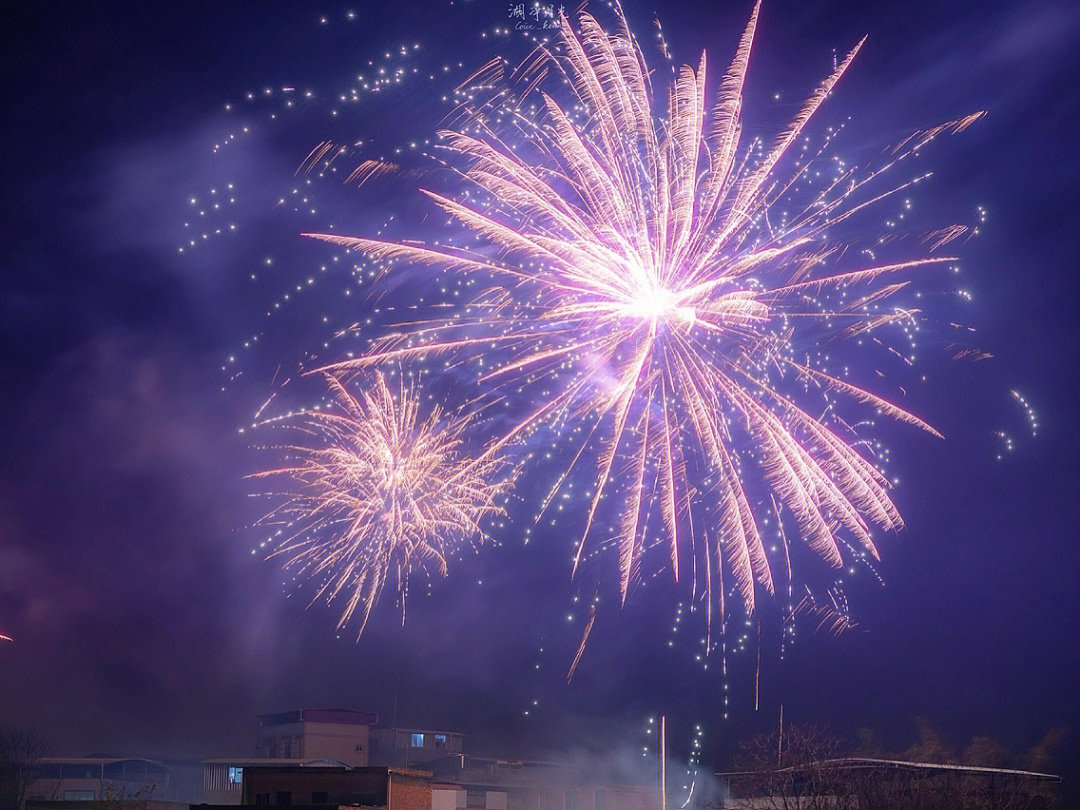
(652, 284)
(374, 492)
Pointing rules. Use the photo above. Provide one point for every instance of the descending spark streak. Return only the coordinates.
(641, 285)
(374, 492)
(581, 646)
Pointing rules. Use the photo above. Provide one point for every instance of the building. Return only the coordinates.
(325, 737)
(328, 758)
(105, 804)
(511, 784)
(393, 788)
(98, 778)
(350, 737)
(303, 736)
(413, 747)
(473, 796)
(341, 735)
(223, 779)
(307, 785)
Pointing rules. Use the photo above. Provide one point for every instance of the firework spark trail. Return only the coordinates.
(643, 279)
(374, 492)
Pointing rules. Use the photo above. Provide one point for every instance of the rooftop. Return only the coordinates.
(870, 763)
(344, 716)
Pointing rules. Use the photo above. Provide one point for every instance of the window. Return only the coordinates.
(571, 800)
(319, 797)
(236, 775)
(476, 798)
(262, 799)
(284, 798)
(599, 799)
(440, 741)
(79, 796)
(417, 740)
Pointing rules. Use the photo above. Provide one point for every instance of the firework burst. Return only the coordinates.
(374, 492)
(655, 288)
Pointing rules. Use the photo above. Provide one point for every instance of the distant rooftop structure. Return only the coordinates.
(870, 763)
(310, 737)
(353, 717)
(322, 786)
(405, 747)
(313, 787)
(340, 735)
(91, 778)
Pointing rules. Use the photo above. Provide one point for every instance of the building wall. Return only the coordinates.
(312, 785)
(300, 785)
(344, 742)
(84, 779)
(612, 797)
(222, 783)
(447, 798)
(403, 747)
(105, 805)
(409, 793)
(624, 797)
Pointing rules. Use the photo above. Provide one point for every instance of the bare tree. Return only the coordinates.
(795, 770)
(807, 769)
(19, 750)
(988, 783)
(115, 798)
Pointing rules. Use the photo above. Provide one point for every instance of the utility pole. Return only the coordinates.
(780, 737)
(661, 763)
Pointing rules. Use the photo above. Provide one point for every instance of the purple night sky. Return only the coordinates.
(143, 624)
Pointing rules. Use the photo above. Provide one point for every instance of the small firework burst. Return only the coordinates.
(373, 492)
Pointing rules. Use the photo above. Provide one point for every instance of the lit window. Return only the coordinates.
(236, 775)
(417, 740)
(440, 740)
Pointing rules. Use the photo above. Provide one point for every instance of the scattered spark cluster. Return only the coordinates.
(1007, 444)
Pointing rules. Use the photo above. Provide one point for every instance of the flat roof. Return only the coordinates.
(356, 717)
(93, 760)
(255, 761)
(323, 765)
(421, 731)
(855, 763)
